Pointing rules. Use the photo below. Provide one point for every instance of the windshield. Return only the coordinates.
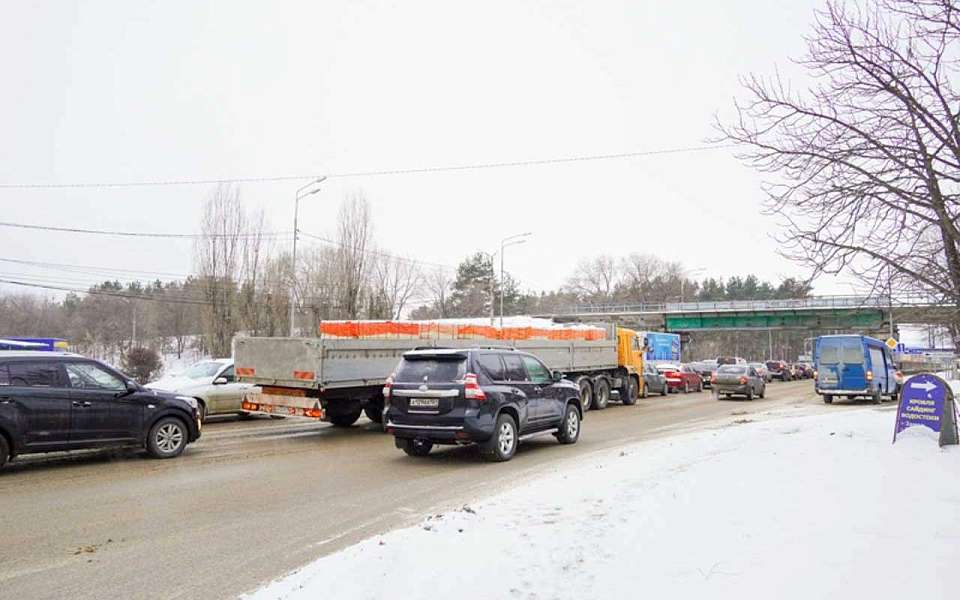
(202, 370)
(446, 369)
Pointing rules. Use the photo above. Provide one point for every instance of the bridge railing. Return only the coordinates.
(813, 302)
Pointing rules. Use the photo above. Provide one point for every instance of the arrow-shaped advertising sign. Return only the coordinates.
(921, 403)
(927, 386)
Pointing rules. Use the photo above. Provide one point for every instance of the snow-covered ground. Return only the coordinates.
(796, 507)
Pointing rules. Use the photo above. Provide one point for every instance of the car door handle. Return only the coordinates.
(82, 404)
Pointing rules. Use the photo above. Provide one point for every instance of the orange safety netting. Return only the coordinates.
(433, 330)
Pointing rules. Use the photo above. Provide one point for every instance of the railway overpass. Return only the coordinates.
(843, 313)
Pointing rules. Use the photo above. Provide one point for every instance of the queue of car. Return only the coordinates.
(490, 397)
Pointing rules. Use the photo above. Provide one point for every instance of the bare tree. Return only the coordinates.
(438, 282)
(864, 166)
(218, 254)
(354, 232)
(595, 279)
(395, 280)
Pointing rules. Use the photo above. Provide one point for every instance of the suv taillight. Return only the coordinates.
(472, 389)
(386, 388)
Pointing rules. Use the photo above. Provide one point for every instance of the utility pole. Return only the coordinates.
(770, 342)
(293, 261)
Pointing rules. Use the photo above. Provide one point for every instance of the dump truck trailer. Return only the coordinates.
(338, 377)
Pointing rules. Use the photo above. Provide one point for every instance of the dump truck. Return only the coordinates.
(340, 374)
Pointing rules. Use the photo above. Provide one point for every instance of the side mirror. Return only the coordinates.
(557, 376)
(132, 386)
(220, 381)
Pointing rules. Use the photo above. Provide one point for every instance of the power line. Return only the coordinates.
(366, 173)
(143, 234)
(378, 252)
(89, 269)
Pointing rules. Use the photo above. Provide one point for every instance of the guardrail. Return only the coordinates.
(813, 302)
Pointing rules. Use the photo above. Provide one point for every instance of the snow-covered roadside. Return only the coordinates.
(810, 507)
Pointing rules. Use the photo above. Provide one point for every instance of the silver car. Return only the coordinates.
(213, 384)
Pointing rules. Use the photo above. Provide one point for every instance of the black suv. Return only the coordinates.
(56, 401)
(490, 397)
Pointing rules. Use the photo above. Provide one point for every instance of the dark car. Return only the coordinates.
(705, 369)
(56, 401)
(654, 382)
(738, 380)
(488, 397)
(779, 370)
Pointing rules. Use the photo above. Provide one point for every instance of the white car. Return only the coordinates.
(213, 384)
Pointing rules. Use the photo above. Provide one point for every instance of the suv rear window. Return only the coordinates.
(34, 374)
(773, 365)
(492, 366)
(735, 369)
(432, 368)
(726, 360)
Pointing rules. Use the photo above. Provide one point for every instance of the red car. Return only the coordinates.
(681, 377)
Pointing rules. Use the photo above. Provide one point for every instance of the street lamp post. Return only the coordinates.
(302, 192)
(512, 240)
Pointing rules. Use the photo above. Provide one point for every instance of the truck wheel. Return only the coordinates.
(827, 399)
(601, 394)
(417, 447)
(570, 427)
(586, 394)
(374, 412)
(502, 445)
(631, 395)
(167, 438)
(4, 451)
(346, 419)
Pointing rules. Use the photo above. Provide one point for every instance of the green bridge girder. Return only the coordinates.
(812, 319)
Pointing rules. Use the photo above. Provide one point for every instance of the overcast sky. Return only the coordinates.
(132, 91)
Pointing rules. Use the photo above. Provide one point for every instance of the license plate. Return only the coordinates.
(828, 379)
(424, 403)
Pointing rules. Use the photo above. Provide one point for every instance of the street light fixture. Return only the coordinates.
(512, 240)
(302, 192)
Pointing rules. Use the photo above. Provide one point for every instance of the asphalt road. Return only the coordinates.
(255, 499)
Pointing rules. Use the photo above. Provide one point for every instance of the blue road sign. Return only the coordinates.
(921, 403)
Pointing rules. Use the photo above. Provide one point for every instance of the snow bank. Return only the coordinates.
(811, 507)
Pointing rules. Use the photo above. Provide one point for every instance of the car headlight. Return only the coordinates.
(191, 401)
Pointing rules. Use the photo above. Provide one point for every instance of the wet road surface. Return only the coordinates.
(255, 499)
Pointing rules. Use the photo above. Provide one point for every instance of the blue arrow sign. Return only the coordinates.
(921, 403)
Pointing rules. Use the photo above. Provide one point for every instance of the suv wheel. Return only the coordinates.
(4, 451)
(502, 445)
(417, 447)
(631, 393)
(167, 438)
(602, 389)
(202, 410)
(570, 427)
(586, 394)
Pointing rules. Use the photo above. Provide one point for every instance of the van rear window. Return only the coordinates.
(433, 368)
(846, 353)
